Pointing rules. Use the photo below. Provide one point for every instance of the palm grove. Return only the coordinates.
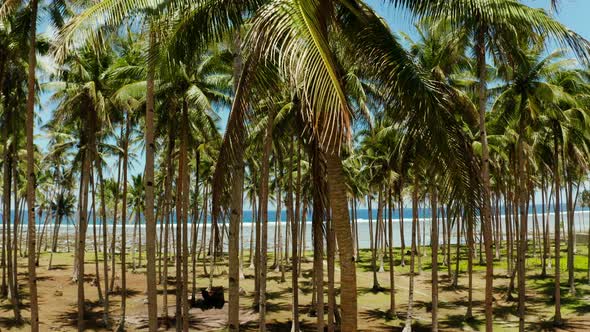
(473, 120)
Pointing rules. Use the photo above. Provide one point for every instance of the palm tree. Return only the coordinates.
(31, 169)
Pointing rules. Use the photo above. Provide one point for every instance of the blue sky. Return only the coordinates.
(572, 13)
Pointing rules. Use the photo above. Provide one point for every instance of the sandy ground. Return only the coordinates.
(57, 298)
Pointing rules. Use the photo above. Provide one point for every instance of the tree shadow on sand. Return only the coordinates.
(456, 322)
(11, 323)
(568, 325)
(93, 319)
(277, 326)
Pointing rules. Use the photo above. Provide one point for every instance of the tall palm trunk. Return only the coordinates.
(401, 225)
(434, 244)
(185, 179)
(41, 236)
(339, 208)
(124, 226)
(391, 312)
(104, 242)
(194, 234)
(83, 210)
(180, 290)
(331, 248)
(571, 242)
(408, 324)
(264, 220)
(295, 245)
(32, 275)
(470, 253)
(557, 317)
(522, 244)
(94, 238)
(318, 242)
(237, 188)
(7, 237)
(149, 187)
(4, 286)
(252, 245)
(115, 219)
(485, 173)
(237, 195)
(545, 228)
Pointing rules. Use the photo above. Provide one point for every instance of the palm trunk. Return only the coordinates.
(115, 217)
(262, 270)
(331, 244)
(401, 227)
(470, 253)
(522, 244)
(149, 187)
(4, 286)
(339, 207)
(124, 225)
(41, 236)
(32, 275)
(434, 244)
(194, 234)
(83, 211)
(234, 233)
(409, 318)
(94, 242)
(557, 317)
(7, 237)
(318, 242)
(104, 242)
(134, 245)
(185, 180)
(295, 246)
(570, 236)
(180, 291)
(486, 217)
(391, 312)
(251, 247)
(545, 230)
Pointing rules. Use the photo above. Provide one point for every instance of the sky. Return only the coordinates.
(572, 13)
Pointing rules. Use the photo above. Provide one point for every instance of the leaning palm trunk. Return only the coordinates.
(41, 236)
(94, 238)
(104, 242)
(32, 275)
(339, 208)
